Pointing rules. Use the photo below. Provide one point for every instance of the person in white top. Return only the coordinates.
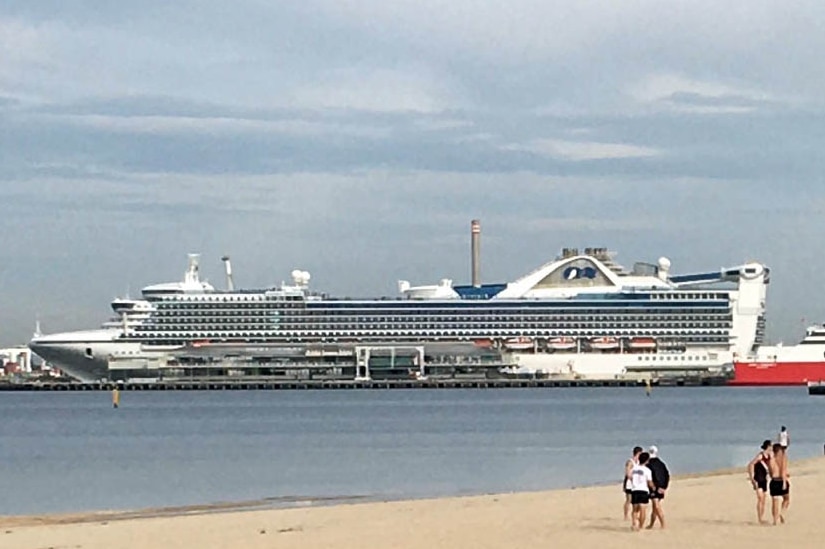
(641, 484)
(784, 437)
(628, 466)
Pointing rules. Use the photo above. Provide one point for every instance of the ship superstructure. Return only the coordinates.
(580, 314)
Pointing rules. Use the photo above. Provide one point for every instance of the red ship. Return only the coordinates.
(785, 365)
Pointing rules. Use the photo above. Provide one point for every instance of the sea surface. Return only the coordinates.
(72, 451)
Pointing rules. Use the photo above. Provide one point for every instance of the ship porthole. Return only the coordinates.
(89, 352)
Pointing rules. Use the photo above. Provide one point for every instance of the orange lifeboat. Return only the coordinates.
(563, 343)
(642, 343)
(604, 343)
(518, 343)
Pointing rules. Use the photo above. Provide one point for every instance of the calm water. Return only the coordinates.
(72, 451)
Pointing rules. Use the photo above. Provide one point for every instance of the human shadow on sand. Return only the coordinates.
(607, 524)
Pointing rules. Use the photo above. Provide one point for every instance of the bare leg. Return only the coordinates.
(634, 517)
(786, 502)
(660, 512)
(760, 506)
(655, 505)
(642, 513)
(626, 506)
(775, 510)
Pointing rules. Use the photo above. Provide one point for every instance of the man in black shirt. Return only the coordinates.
(661, 481)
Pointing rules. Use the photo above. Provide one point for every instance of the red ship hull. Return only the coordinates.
(777, 373)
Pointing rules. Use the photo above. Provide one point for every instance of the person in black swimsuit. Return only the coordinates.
(758, 475)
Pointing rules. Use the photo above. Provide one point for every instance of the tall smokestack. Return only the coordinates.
(475, 248)
(230, 285)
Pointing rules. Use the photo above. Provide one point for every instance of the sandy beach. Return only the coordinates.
(711, 510)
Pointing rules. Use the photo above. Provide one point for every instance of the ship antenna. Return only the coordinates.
(230, 285)
(37, 331)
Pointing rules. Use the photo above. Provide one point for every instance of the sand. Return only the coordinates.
(712, 510)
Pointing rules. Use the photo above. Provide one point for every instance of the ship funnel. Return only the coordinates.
(230, 285)
(475, 252)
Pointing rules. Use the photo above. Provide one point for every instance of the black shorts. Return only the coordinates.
(639, 498)
(762, 484)
(657, 495)
(777, 488)
(628, 491)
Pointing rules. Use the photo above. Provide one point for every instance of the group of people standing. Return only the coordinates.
(646, 480)
(768, 473)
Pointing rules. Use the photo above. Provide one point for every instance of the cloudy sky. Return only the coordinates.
(357, 138)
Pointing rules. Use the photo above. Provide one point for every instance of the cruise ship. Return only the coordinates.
(581, 314)
(798, 364)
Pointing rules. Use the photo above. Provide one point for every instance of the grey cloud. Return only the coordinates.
(733, 100)
(180, 136)
(7, 102)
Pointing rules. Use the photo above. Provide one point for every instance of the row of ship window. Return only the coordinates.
(333, 340)
(679, 295)
(232, 304)
(722, 315)
(232, 298)
(440, 308)
(209, 299)
(441, 333)
(273, 298)
(257, 324)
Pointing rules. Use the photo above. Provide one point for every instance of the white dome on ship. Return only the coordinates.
(300, 278)
(664, 264)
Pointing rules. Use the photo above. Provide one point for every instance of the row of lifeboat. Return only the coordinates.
(567, 343)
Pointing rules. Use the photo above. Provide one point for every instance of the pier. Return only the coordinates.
(340, 384)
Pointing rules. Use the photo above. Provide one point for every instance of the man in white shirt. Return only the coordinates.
(641, 484)
(784, 438)
(628, 467)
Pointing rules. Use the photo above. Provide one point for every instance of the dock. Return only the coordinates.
(341, 384)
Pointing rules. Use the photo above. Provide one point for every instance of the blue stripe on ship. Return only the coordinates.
(520, 304)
